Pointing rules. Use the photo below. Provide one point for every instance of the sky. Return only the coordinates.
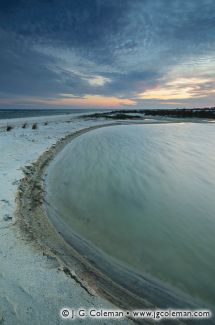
(127, 54)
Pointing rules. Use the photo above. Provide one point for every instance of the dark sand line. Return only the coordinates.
(96, 272)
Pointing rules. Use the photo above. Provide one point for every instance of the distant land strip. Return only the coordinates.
(140, 113)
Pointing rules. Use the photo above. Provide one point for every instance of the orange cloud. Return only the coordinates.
(90, 100)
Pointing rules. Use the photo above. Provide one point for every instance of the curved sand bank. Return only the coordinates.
(33, 288)
(95, 271)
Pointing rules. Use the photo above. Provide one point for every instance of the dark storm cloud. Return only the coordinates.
(132, 43)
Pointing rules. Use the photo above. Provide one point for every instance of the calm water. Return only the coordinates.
(19, 113)
(145, 194)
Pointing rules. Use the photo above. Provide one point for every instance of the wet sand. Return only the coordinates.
(34, 286)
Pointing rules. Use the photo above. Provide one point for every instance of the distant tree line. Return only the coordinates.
(178, 112)
(184, 112)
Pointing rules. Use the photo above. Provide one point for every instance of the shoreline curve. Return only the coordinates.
(96, 272)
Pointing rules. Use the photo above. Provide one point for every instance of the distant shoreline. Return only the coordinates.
(108, 113)
(184, 113)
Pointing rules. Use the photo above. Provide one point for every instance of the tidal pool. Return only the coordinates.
(145, 195)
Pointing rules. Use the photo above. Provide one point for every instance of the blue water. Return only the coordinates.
(144, 194)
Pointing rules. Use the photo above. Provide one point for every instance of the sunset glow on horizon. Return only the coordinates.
(91, 100)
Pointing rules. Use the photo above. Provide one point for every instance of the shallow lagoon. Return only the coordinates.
(144, 194)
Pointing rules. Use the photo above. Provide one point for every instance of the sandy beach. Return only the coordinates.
(33, 286)
(35, 280)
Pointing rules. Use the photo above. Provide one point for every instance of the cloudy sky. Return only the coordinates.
(107, 53)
